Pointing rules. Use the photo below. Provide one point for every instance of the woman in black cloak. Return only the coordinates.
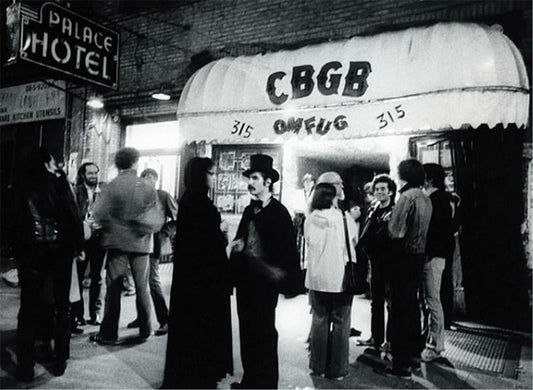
(199, 349)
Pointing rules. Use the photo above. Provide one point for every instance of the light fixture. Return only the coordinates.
(95, 102)
(161, 96)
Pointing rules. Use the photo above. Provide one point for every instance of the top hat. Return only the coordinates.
(262, 163)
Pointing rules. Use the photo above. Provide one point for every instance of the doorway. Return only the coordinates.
(160, 148)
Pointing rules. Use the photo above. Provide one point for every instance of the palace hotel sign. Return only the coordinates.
(70, 44)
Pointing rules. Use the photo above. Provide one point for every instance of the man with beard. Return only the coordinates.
(87, 191)
(265, 261)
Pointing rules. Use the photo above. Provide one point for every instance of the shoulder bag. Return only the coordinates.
(354, 281)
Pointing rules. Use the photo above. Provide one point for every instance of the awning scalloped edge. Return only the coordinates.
(488, 89)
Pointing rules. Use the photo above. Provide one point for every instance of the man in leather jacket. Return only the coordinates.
(48, 235)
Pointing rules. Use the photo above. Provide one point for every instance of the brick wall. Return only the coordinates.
(156, 47)
(95, 135)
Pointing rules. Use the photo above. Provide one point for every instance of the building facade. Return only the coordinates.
(162, 44)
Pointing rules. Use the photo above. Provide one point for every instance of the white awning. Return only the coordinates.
(446, 76)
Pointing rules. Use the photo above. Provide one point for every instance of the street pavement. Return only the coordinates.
(140, 366)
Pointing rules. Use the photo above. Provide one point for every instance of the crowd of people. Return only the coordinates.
(119, 227)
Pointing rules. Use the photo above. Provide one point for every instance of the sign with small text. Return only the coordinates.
(32, 102)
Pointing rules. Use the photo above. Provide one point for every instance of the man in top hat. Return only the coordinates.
(265, 262)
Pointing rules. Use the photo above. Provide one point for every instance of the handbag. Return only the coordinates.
(354, 281)
(150, 218)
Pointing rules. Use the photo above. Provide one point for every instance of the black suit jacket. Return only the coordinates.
(276, 231)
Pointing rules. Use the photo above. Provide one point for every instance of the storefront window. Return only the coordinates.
(159, 145)
(231, 194)
(438, 151)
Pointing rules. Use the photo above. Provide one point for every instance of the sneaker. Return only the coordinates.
(367, 343)
(76, 330)
(129, 293)
(94, 322)
(133, 324)
(385, 347)
(429, 354)
(81, 322)
(394, 372)
(355, 332)
(163, 329)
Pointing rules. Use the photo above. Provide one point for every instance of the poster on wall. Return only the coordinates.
(231, 188)
(226, 182)
(225, 202)
(226, 162)
(245, 160)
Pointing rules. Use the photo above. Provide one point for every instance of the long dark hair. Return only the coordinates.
(196, 173)
(323, 196)
(33, 172)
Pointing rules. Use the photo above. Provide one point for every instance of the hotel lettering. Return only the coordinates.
(71, 44)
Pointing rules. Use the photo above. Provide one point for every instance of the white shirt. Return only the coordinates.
(326, 251)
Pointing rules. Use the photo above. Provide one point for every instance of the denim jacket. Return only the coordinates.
(410, 220)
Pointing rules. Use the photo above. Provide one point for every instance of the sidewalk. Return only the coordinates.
(472, 359)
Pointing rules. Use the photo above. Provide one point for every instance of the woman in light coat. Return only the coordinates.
(327, 254)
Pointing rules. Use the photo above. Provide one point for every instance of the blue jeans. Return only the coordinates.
(431, 281)
(160, 306)
(330, 348)
(117, 266)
